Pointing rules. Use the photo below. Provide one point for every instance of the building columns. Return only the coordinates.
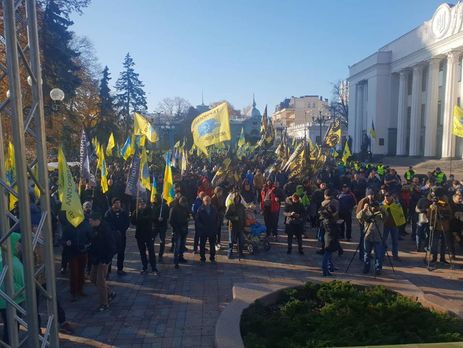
(448, 139)
(359, 117)
(402, 115)
(415, 120)
(432, 95)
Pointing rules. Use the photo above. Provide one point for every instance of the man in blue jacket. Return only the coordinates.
(118, 221)
(207, 220)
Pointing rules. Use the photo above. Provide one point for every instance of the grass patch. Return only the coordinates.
(342, 314)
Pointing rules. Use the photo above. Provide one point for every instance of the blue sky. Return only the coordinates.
(231, 49)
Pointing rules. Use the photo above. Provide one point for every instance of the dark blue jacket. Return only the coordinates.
(207, 222)
(79, 236)
(117, 221)
(103, 245)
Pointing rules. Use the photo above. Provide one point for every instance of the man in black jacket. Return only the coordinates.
(236, 215)
(142, 218)
(207, 220)
(179, 215)
(160, 217)
(118, 221)
(101, 253)
(294, 221)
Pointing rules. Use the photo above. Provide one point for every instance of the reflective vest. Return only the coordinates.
(380, 169)
(439, 178)
(409, 174)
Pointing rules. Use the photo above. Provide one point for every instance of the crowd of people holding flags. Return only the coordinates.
(297, 187)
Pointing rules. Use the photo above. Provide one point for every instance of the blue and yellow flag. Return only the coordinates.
(154, 190)
(67, 193)
(168, 187)
(141, 126)
(211, 127)
(128, 149)
(458, 121)
(144, 171)
(10, 172)
(103, 170)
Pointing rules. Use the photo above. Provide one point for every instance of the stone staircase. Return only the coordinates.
(423, 165)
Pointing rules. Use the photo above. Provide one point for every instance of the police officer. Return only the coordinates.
(409, 174)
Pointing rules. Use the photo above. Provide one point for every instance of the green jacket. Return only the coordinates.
(305, 200)
(18, 273)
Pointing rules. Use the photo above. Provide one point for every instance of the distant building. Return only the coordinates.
(299, 110)
(250, 123)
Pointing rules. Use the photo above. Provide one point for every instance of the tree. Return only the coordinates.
(130, 95)
(107, 121)
(67, 6)
(176, 106)
(339, 104)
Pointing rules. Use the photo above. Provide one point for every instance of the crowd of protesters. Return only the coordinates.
(324, 205)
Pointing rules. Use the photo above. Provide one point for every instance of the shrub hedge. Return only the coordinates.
(342, 314)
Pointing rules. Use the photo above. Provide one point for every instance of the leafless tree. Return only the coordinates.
(339, 104)
(175, 107)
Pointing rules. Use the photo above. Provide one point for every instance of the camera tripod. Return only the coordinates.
(435, 215)
(382, 241)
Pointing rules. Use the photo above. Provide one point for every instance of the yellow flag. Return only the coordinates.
(104, 174)
(70, 202)
(458, 121)
(397, 213)
(141, 126)
(346, 153)
(211, 127)
(110, 146)
(241, 140)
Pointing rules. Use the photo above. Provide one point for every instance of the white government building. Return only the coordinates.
(408, 89)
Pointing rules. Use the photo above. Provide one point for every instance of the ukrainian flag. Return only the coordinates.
(128, 149)
(144, 171)
(168, 188)
(211, 127)
(154, 190)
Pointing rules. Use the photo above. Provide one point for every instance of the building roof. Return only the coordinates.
(254, 112)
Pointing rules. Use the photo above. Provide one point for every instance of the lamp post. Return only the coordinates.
(321, 120)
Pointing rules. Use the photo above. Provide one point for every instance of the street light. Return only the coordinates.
(321, 120)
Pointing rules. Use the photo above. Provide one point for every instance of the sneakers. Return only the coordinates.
(217, 247)
(66, 328)
(121, 273)
(103, 308)
(156, 271)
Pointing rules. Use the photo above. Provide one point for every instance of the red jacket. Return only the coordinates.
(268, 194)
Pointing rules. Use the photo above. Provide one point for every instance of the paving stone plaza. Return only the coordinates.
(180, 307)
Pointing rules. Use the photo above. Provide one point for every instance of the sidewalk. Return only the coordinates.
(180, 307)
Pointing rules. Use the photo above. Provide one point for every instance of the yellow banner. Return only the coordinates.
(141, 126)
(458, 121)
(397, 214)
(211, 127)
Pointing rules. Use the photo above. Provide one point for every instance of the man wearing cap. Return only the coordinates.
(118, 221)
(294, 221)
(101, 253)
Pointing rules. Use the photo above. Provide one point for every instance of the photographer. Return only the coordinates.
(371, 219)
(368, 199)
(422, 231)
(328, 216)
(440, 214)
(294, 221)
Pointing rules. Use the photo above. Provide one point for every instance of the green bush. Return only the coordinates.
(343, 314)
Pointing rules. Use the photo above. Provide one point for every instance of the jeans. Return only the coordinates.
(202, 246)
(143, 246)
(98, 277)
(180, 241)
(421, 237)
(327, 263)
(161, 231)
(121, 252)
(235, 236)
(77, 265)
(394, 232)
(346, 225)
(378, 248)
(438, 245)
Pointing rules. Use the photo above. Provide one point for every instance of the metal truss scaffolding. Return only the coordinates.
(20, 20)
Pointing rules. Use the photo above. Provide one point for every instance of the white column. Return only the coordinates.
(359, 118)
(415, 121)
(448, 139)
(402, 115)
(432, 95)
